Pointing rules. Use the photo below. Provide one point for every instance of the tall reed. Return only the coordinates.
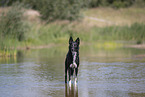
(13, 28)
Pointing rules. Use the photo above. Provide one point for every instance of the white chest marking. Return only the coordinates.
(74, 58)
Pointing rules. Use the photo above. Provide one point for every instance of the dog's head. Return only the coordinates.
(74, 45)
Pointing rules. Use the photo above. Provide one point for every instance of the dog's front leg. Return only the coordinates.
(69, 77)
(66, 69)
(76, 72)
(65, 74)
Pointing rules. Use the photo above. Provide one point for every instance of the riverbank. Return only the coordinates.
(98, 25)
(109, 46)
(140, 46)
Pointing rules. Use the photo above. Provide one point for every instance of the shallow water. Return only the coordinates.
(116, 72)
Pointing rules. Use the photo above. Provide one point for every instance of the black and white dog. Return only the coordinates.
(72, 59)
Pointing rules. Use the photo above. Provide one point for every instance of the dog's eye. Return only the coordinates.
(74, 45)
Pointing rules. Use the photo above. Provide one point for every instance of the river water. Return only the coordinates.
(118, 72)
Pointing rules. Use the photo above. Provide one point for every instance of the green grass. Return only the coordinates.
(45, 34)
(54, 33)
(134, 32)
(58, 32)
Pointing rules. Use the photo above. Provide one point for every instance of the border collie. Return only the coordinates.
(72, 60)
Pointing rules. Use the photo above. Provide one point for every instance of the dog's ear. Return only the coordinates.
(70, 40)
(78, 40)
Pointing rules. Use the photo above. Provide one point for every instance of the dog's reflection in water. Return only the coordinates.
(71, 91)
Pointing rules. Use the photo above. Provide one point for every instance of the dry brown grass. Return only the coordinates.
(32, 15)
(29, 14)
(123, 16)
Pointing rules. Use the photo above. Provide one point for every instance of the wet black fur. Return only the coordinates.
(69, 58)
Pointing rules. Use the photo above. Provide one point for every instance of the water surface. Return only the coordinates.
(116, 72)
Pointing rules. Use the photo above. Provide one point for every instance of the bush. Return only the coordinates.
(56, 9)
(112, 3)
(122, 3)
(139, 3)
(139, 42)
(12, 24)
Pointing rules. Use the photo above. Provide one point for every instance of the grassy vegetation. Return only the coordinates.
(13, 29)
(59, 33)
(112, 33)
(120, 17)
(125, 24)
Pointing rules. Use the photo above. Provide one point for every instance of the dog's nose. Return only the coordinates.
(74, 53)
(72, 49)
